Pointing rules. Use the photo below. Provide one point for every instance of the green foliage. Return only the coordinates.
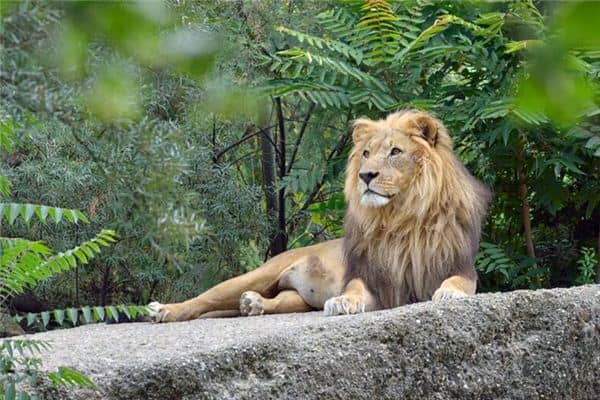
(11, 211)
(376, 43)
(586, 266)
(19, 363)
(25, 263)
(69, 377)
(486, 72)
(182, 218)
(71, 317)
(492, 259)
(569, 59)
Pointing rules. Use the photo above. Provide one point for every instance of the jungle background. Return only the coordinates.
(205, 136)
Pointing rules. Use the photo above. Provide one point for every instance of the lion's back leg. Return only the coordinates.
(224, 297)
(318, 270)
(314, 279)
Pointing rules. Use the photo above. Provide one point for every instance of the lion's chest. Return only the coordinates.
(395, 284)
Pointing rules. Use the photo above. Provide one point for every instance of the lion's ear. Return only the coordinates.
(428, 128)
(363, 128)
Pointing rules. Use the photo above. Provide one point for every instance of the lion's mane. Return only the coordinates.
(404, 250)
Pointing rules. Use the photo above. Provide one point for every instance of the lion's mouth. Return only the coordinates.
(373, 199)
(371, 192)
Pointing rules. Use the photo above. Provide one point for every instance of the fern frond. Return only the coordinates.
(4, 186)
(495, 21)
(83, 315)
(11, 211)
(64, 376)
(328, 96)
(24, 263)
(507, 107)
(378, 34)
(334, 45)
(8, 139)
(339, 23)
(24, 348)
(322, 94)
(493, 258)
(304, 59)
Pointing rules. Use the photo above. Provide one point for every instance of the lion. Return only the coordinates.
(413, 225)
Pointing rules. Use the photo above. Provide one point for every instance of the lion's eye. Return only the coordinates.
(366, 153)
(395, 151)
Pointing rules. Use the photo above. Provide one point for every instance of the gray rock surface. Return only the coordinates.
(8, 327)
(519, 345)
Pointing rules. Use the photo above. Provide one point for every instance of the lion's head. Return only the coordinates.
(388, 154)
(414, 211)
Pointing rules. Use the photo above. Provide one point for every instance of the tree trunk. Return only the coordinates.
(269, 183)
(523, 194)
(281, 239)
(598, 257)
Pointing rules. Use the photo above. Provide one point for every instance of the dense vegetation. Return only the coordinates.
(212, 135)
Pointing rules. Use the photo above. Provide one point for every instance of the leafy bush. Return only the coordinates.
(479, 69)
(587, 266)
(71, 317)
(23, 265)
(19, 364)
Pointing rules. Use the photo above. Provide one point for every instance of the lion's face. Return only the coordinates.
(386, 166)
(386, 155)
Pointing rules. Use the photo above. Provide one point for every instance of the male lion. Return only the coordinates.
(412, 230)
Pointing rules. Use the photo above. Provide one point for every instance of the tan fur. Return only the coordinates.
(412, 238)
(430, 229)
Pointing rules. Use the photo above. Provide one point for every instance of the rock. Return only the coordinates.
(8, 327)
(518, 345)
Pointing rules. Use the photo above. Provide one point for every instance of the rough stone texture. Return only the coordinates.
(8, 327)
(519, 345)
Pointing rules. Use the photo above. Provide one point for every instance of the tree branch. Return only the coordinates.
(300, 135)
(242, 140)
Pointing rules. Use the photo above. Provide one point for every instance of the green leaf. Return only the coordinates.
(593, 142)
(31, 319)
(14, 211)
(81, 216)
(64, 376)
(29, 211)
(56, 214)
(124, 310)
(59, 316)
(99, 313)
(45, 318)
(112, 312)
(87, 314)
(42, 212)
(133, 311)
(73, 315)
(9, 391)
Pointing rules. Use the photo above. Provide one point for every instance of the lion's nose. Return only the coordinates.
(368, 176)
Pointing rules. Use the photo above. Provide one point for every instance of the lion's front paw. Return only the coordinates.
(251, 303)
(162, 312)
(447, 294)
(343, 305)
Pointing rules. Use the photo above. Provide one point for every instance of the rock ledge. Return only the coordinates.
(519, 345)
